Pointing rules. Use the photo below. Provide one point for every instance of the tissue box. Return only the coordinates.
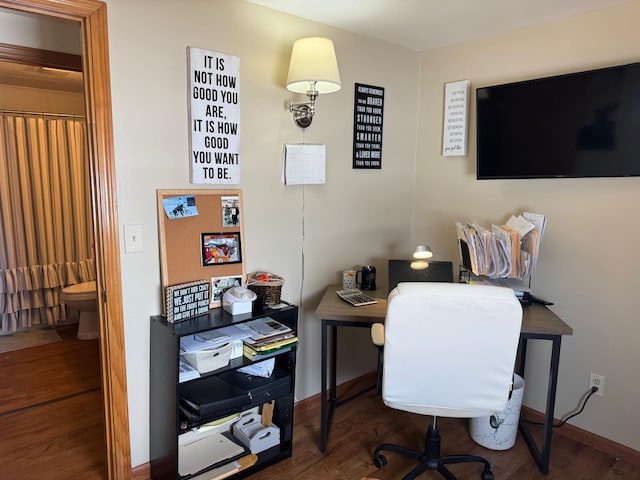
(209, 359)
(238, 300)
(237, 308)
(255, 436)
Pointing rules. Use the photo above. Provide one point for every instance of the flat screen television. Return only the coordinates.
(583, 124)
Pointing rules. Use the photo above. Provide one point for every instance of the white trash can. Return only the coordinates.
(506, 421)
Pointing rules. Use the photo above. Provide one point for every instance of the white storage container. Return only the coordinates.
(209, 359)
(255, 436)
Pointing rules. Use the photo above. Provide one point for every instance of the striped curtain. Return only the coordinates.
(46, 227)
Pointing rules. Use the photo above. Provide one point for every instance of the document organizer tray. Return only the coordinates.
(260, 389)
(212, 396)
(520, 289)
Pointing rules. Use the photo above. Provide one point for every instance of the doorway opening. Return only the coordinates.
(92, 18)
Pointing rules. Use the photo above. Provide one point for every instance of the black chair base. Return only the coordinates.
(431, 459)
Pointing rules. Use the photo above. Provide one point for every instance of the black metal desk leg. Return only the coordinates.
(542, 455)
(323, 390)
(329, 400)
(328, 403)
(334, 362)
(551, 403)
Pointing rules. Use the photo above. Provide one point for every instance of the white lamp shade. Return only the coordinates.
(422, 251)
(313, 59)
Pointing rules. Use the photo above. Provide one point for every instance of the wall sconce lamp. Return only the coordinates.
(313, 71)
(421, 253)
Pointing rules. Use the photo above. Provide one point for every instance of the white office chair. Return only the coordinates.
(449, 350)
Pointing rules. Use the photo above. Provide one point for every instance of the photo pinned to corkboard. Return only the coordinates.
(219, 285)
(220, 248)
(230, 211)
(200, 234)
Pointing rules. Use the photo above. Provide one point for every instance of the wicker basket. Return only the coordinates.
(266, 286)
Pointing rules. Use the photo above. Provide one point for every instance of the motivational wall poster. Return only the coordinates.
(214, 116)
(368, 112)
(186, 300)
(456, 98)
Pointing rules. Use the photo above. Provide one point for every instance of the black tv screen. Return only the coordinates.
(583, 124)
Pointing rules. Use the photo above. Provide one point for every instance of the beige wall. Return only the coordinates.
(357, 217)
(588, 265)
(309, 234)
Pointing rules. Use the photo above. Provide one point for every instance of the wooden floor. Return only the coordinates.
(51, 428)
(51, 415)
(361, 425)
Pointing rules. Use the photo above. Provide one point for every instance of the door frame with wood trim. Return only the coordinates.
(92, 16)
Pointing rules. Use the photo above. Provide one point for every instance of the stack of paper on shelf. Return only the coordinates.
(187, 372)
(206, 451)
(266, 337)
(506, 251)
(211, 338)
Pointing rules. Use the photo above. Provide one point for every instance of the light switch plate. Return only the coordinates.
(133, 238)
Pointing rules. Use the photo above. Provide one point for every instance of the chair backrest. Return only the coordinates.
(401, 271)
(450, 348)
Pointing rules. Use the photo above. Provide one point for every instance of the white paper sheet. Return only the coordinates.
(304, 164)
(209, 450)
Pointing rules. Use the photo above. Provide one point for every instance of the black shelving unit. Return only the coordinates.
(167, 421)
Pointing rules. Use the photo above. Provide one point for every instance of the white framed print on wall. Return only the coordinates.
(454, 128)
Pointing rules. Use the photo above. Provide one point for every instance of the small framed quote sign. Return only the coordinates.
(187, 300)
(368, 113)
(456, 99)
(214, 117)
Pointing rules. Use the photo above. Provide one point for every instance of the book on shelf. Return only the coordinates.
(275, 345)
(256, 355)
(271, 342)
(263, 328)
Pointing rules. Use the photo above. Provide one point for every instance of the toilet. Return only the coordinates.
(83, 297)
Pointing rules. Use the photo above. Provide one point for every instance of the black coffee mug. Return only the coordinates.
(368, 280)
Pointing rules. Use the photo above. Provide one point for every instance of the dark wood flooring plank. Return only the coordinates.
(51, 413)
(363, 424)
(39, 374)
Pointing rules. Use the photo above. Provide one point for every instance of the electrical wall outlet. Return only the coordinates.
(597, 381)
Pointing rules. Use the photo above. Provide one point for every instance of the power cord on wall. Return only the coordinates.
(584, 404)
(302, 226)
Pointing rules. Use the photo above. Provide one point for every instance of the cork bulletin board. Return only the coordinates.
(201, 238)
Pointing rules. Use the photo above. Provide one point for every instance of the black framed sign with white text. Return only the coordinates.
(368, 113)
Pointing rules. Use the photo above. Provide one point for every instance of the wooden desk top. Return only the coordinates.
(536, 318)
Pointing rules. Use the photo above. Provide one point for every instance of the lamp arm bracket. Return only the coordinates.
(299, 107)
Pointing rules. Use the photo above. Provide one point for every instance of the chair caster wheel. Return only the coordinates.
(380, 460)
(487, 475)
